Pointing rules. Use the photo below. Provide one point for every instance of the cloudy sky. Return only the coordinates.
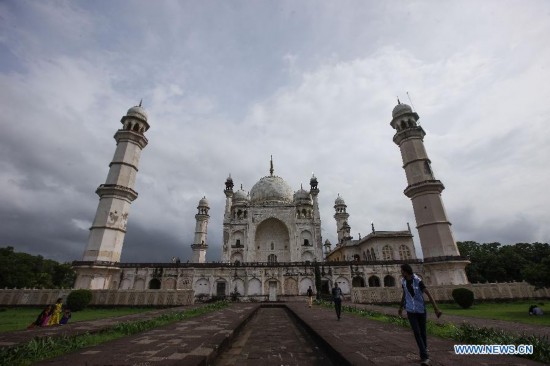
(229, 83)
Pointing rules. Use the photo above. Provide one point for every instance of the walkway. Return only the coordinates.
(272, 340)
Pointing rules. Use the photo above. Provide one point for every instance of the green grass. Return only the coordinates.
(517, 311)
(19, 318)
(45, 348)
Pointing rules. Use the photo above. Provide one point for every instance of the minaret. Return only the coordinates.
(442, 262)
(115, 197)
(199, 245)
(341, 217)
(227, 218)
(314, 191)
(228, 196)
(327, 246)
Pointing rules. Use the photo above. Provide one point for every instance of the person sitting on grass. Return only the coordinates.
(56, 312)
(47, 316)
(535, 310)
(66, 316)
(41, 318)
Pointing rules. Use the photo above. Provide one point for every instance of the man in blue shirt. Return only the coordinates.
(413, 301)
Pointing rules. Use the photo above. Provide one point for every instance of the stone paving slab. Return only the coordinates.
(194, 341)
(362, 341)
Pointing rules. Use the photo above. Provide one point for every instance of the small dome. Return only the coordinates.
(271, 189)
(327, 242)
(401, 108)
(137, 112)
(303, 197)
(313, 179)
(240, 197)
(203, 202)
(339, 201)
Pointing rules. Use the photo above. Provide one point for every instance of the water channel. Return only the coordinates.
(274, 337)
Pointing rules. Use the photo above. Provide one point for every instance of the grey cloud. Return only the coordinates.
(221, 99)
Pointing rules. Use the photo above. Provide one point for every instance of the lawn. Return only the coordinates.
(39, 349)
(19, 318)
(517, 311)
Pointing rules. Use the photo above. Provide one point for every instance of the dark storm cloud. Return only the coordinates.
(226, 86)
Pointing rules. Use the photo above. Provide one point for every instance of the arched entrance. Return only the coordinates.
(374, 281)
(154, 284)
(389, 281)
(358, 281)
(272, 239)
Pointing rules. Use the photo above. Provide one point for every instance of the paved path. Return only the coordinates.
(198, 341)
(362, 341)
(194, 341)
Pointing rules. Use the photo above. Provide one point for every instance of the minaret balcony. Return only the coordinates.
(199, 246)
(424, 186)
(117, 191)
(416, 131)
(136, 137)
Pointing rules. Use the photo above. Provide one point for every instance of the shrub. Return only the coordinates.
(79, 299)
(463, 297)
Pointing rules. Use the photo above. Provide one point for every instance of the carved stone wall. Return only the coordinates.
(486, 291)
(35, 297)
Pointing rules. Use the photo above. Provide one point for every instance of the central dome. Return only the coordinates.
(271, 189)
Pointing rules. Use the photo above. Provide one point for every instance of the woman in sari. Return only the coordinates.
(56, 312)
(40, 319)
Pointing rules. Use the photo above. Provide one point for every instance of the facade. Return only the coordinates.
(272, 245)
(376, 246)
(271, 224)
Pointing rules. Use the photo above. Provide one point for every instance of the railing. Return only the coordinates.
(242, 264)
(445, 258)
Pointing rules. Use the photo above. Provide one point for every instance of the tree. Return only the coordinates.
(20, 270)
(538, 274)
(493, 262)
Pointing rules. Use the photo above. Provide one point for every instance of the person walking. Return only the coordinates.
(337, 298)
(310, 296)
(413, 302)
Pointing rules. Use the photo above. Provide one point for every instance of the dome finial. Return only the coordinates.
(140, 101)
(271, 166)
(398, 101)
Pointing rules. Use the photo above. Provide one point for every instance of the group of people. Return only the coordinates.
(412, 301)
(52, 315)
